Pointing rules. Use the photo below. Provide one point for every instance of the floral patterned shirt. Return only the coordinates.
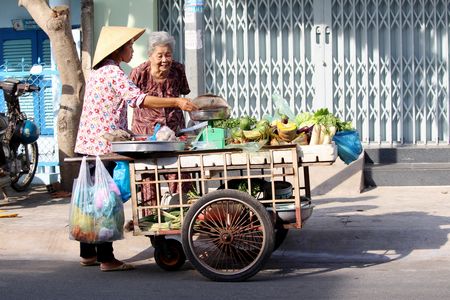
(108, 92)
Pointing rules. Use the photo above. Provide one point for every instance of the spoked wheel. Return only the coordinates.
(228, 235)
(24, 167)
(169, 255)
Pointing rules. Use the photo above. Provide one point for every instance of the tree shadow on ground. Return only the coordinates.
(34, 196)
(341, 238)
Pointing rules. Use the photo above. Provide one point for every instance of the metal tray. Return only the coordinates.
(147, 146)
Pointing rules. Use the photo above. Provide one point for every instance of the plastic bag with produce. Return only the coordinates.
(81, 215)
(96, 210)
(109, 207)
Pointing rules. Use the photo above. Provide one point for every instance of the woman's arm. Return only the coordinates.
(157, 102)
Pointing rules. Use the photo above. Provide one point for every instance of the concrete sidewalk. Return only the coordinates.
(378, 225)
(41, 230)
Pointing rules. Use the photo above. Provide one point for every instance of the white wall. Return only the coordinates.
(132, 13)
(11, 10)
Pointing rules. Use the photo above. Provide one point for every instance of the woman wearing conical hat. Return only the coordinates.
(108, 93)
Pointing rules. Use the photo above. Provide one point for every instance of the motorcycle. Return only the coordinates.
(18, 135)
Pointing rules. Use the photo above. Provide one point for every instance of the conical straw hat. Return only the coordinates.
(112, 38)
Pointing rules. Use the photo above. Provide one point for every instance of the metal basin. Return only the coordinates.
(286, 212)
(147, 146)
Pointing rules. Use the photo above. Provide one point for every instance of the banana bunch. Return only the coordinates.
(260, 132)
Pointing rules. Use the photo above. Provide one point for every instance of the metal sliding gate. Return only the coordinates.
(382, 64)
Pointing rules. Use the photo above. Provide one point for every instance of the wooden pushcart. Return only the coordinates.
(240, 216)
(244, 204)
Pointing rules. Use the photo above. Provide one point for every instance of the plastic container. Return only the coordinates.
(210, 138)
(283, 190)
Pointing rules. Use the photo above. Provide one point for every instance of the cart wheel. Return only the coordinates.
(228, 235)
(169, 255)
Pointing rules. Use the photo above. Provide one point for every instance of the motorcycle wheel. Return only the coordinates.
(26, 157)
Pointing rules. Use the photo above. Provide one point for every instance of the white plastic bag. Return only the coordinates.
(165, 134)
(109, 215)
(81, 216)
(96, 211)
(281, 108)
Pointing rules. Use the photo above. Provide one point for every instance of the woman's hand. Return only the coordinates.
(186, 104)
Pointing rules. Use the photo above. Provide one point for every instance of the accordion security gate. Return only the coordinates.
(382, 64)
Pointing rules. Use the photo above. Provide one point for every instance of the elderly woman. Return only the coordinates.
(160, 76)
(108, 94)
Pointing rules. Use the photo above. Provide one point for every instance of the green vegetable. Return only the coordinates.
(256, 188)
(245, 123)
(233, 122)
(237, 133)
(343, 126)
(193, 193)
(304, 119)
(263, 123)
(322, 117)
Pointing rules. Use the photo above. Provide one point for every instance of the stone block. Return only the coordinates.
(338, 179)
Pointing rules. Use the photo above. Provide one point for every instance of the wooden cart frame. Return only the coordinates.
(226, 234)
(211, 169)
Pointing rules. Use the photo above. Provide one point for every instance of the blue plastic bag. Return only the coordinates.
(348, 145)
(121, 176)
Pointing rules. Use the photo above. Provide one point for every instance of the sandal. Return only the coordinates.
(122, 267)
(91, 261)
(61, 194)
(129, 226)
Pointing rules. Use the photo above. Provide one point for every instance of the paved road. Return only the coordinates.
(384, 243)
(282, 278)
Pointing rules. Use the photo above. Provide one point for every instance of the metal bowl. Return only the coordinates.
(207, 114)
(286, 211)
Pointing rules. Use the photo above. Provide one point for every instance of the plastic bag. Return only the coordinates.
(108, 206)
(282, 108)
(348, 145)
(96, 211)
(165, 134)
(81, 216)
(121, 176)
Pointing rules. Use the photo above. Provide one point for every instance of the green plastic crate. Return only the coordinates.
(210, 138)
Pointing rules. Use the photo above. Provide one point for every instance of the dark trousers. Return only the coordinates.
(103, 251)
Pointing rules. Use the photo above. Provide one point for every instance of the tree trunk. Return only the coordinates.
(87, 31)
(55, 22)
